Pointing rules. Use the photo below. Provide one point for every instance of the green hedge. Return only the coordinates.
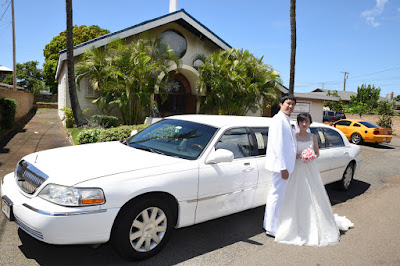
(8, 109)
(104, 121)
(110, 134)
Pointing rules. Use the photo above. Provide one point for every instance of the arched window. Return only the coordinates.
(176, 41)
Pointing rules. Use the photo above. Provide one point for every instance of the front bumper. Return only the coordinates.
(56, 224)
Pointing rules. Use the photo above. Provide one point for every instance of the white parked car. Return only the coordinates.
(181, 171)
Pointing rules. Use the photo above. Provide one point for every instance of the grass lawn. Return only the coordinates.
(74, 133)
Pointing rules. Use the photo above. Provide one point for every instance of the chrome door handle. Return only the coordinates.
(248, 169)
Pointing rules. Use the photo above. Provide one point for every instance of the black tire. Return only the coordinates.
(347, 178)
(356, 138)
(155, 218)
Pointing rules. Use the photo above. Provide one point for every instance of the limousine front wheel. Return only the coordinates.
(347, 177)
(142, 229)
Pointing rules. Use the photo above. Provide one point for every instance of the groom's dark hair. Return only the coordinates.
(287, 96)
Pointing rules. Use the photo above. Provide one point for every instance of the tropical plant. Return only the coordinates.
(334, 105)
(367, 95)
(28, 76)
(359, 108)
(130, 74)
(385, 108)
(51, 51)
(234, 82)
(385, 121)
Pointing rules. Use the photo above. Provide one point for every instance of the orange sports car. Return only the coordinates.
(358, 131)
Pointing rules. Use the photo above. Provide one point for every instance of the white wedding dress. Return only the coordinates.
(306, 217)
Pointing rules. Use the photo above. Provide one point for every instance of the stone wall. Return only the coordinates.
(24, 101)
(53, 98)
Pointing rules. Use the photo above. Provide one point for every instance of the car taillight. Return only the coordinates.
(376, 132)
(389, 132)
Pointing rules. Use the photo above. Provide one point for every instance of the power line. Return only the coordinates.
(5, 11)
(376, 72)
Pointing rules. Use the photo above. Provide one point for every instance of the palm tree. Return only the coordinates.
(96, 68)
(127, 74)
(80, 120)
(293, 44)
(235, 81)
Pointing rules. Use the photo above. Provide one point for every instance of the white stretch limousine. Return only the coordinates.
(183, 170)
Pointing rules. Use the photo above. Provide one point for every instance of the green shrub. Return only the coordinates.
(385, 121)
(104, 121)
(110, 134)
(8, 109)
(68, 117)
(89, 136)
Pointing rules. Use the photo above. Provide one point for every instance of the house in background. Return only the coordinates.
(188, 37)
(345, 96)
(4, 71)
(306, 103)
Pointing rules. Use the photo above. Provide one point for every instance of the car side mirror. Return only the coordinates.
(134, 132)
(219, 156)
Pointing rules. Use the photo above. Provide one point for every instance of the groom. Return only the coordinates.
(280, 160)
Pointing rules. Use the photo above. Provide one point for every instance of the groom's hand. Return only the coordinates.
(285, 174)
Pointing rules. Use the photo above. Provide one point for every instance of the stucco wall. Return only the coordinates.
(312, 106)
(24, 101)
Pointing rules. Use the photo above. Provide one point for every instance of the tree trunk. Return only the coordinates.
(293, 44)
(80, 120)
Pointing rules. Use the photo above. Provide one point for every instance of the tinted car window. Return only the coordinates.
(343, 123)
(333, 138)
(369, 125)
(175, 138)
(261, 135)
(237, 141)
(356, 125)
(320, 136)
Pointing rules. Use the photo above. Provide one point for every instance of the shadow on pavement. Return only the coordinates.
(184, 244)
(339, 196)
(18, 127)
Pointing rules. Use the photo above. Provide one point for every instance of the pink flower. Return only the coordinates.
(308, 155)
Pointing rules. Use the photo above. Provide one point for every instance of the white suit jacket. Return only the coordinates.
(282, 146)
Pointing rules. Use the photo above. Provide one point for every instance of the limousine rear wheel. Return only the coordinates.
(142, 229)
(347, 177)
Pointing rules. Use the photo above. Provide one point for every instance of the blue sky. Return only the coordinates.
(361, 37)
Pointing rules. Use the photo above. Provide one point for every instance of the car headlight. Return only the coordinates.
(71, 196)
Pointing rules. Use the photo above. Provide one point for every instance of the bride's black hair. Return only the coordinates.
(303, 116)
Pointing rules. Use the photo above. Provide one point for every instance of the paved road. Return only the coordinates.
(372, 204)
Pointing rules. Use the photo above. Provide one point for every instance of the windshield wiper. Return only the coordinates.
(149, 149)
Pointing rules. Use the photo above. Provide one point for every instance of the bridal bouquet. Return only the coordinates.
(308, 155)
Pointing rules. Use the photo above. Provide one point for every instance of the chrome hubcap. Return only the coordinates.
(148, 229)
(356, 138)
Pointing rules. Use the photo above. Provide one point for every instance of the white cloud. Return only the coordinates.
(370, 14)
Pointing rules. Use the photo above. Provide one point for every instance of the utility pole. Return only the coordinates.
(14, 60)
(346, 76)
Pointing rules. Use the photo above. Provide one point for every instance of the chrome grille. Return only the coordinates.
(29, 230)
(28, 177)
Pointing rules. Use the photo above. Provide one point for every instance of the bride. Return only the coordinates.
(306, 216)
